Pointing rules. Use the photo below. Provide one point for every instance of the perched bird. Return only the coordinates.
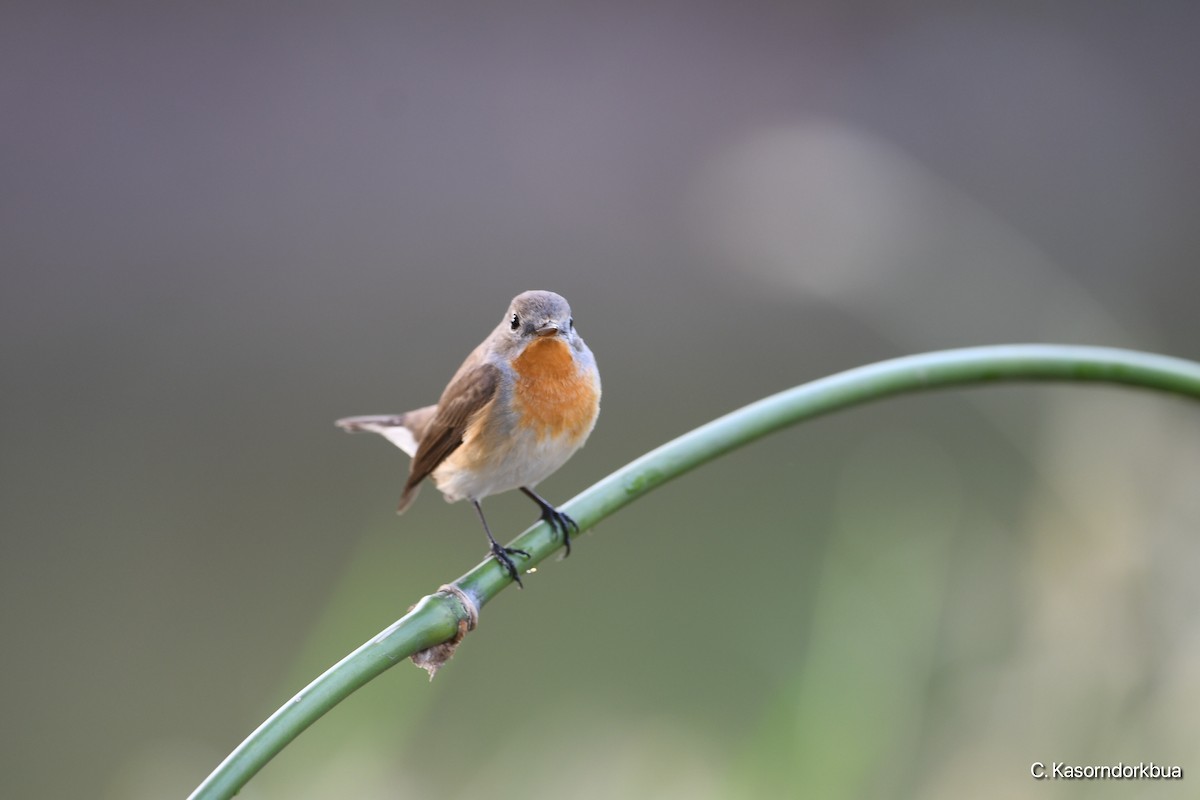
(520, 405)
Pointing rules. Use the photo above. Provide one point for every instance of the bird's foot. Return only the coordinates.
(560, 523)
(502, 554)
(557, 520)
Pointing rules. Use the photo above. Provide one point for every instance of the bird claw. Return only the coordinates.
(560, 523)
(502, 554)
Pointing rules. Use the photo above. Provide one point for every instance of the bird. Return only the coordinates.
(522, 403)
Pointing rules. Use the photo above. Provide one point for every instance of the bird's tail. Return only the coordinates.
(403, 430)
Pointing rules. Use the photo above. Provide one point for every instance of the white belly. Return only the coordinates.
(473, 472)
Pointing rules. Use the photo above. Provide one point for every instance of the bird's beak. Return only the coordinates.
(549, 329)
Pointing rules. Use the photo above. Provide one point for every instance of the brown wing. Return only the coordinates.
(463, 398)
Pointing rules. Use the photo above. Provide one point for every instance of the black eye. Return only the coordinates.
(515, 322)
(571, 323)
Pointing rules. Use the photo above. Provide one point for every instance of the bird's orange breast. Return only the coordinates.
(552, 394)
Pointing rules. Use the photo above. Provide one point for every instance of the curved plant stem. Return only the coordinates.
(444, 615)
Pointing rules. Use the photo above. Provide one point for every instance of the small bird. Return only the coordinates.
(521, 404)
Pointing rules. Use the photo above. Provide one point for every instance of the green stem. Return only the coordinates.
(437, 617)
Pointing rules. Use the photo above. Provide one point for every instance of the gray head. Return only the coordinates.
(539, 314)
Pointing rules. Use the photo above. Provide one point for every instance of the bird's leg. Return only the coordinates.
(557, 520)
(501, 552)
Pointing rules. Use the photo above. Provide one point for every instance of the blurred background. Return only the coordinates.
(222, 226)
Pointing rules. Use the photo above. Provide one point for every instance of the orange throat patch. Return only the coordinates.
(552, 394)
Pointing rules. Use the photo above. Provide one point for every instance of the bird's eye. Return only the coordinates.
(571, 323)
(515, 322)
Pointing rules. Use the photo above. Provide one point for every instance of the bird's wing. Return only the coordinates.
(466, 395)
